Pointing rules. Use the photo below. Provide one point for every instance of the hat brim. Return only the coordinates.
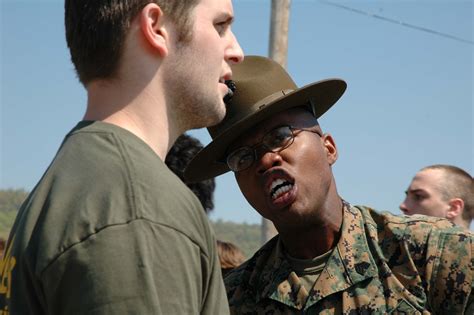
(210, 161)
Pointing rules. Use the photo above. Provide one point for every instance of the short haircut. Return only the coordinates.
(179, 156)
(457, 184)
(96, 31)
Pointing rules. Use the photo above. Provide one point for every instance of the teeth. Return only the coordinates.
(279, 187)
(276, 183)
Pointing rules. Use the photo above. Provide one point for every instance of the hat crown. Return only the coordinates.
(263, 88)
(259, 81)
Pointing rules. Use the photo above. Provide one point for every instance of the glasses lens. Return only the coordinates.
(278, 138)
(240, 159)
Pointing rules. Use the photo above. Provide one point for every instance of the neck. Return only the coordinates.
(135, 108)
(322, 235)
(462, 223)
(134, 99)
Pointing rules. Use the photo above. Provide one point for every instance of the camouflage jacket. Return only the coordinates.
(382, 264)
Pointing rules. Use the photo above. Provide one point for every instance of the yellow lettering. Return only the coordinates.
(6, 267)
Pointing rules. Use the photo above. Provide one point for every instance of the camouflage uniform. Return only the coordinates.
(382, 264)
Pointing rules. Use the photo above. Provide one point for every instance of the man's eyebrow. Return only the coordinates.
(412, 191)
(226, 17)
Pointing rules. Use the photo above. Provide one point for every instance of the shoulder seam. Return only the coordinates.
(85, 238)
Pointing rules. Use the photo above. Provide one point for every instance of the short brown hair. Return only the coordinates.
(96, 30)
(458, 184)
(230, 256)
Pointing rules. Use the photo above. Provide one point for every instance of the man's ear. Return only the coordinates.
(153, 28)
(331, 149)
(456, 206)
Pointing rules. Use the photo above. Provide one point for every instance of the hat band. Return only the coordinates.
(271, 98)
(250, 111)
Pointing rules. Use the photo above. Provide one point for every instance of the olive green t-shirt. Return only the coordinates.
(110, 230)
(307, 270)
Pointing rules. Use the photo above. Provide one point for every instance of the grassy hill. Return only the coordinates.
(245, 236)
(10, 202)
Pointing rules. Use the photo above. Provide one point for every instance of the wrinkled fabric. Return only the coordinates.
(382, 264)
(110, 229)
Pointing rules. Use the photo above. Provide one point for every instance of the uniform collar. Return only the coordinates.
(350, 263)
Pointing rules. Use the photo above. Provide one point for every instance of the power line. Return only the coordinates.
(376, 16)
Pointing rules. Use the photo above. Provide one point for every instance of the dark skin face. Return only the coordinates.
(308, 209)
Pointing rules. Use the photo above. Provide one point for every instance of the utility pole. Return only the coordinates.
(278, 51)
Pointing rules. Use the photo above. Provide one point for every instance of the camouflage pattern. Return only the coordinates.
(382, 264)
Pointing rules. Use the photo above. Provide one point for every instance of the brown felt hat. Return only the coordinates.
(263, 88)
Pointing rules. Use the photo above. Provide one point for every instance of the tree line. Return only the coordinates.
(246, 236)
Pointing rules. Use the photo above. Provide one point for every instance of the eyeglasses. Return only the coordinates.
(276, 140)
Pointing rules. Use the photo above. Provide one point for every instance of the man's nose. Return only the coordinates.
(234, 54)
(266, 160)
(403, 206)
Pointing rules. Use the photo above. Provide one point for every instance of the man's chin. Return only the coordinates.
(211, 117)
(219, 113)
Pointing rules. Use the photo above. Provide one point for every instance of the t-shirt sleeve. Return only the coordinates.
(139, 267)
(215, 300)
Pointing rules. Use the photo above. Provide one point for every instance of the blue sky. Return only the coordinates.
(409, 101)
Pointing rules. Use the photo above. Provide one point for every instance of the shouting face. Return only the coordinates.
(290, 185)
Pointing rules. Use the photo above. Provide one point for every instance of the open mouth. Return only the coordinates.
(279, 187)
(230, 90)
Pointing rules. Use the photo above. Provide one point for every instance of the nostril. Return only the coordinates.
(235, 60)
(267, 160)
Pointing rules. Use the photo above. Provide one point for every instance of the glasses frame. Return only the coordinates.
(262, 143)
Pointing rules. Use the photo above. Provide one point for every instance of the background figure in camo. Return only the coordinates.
(330, 257)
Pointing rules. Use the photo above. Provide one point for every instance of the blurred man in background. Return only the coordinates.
(230, 256)
(181, 153)
(443, 191)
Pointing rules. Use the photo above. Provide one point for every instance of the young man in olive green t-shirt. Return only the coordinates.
(109, 229)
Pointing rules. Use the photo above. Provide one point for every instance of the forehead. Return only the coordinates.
(296, 117)
(429, 179)
(211, 8)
